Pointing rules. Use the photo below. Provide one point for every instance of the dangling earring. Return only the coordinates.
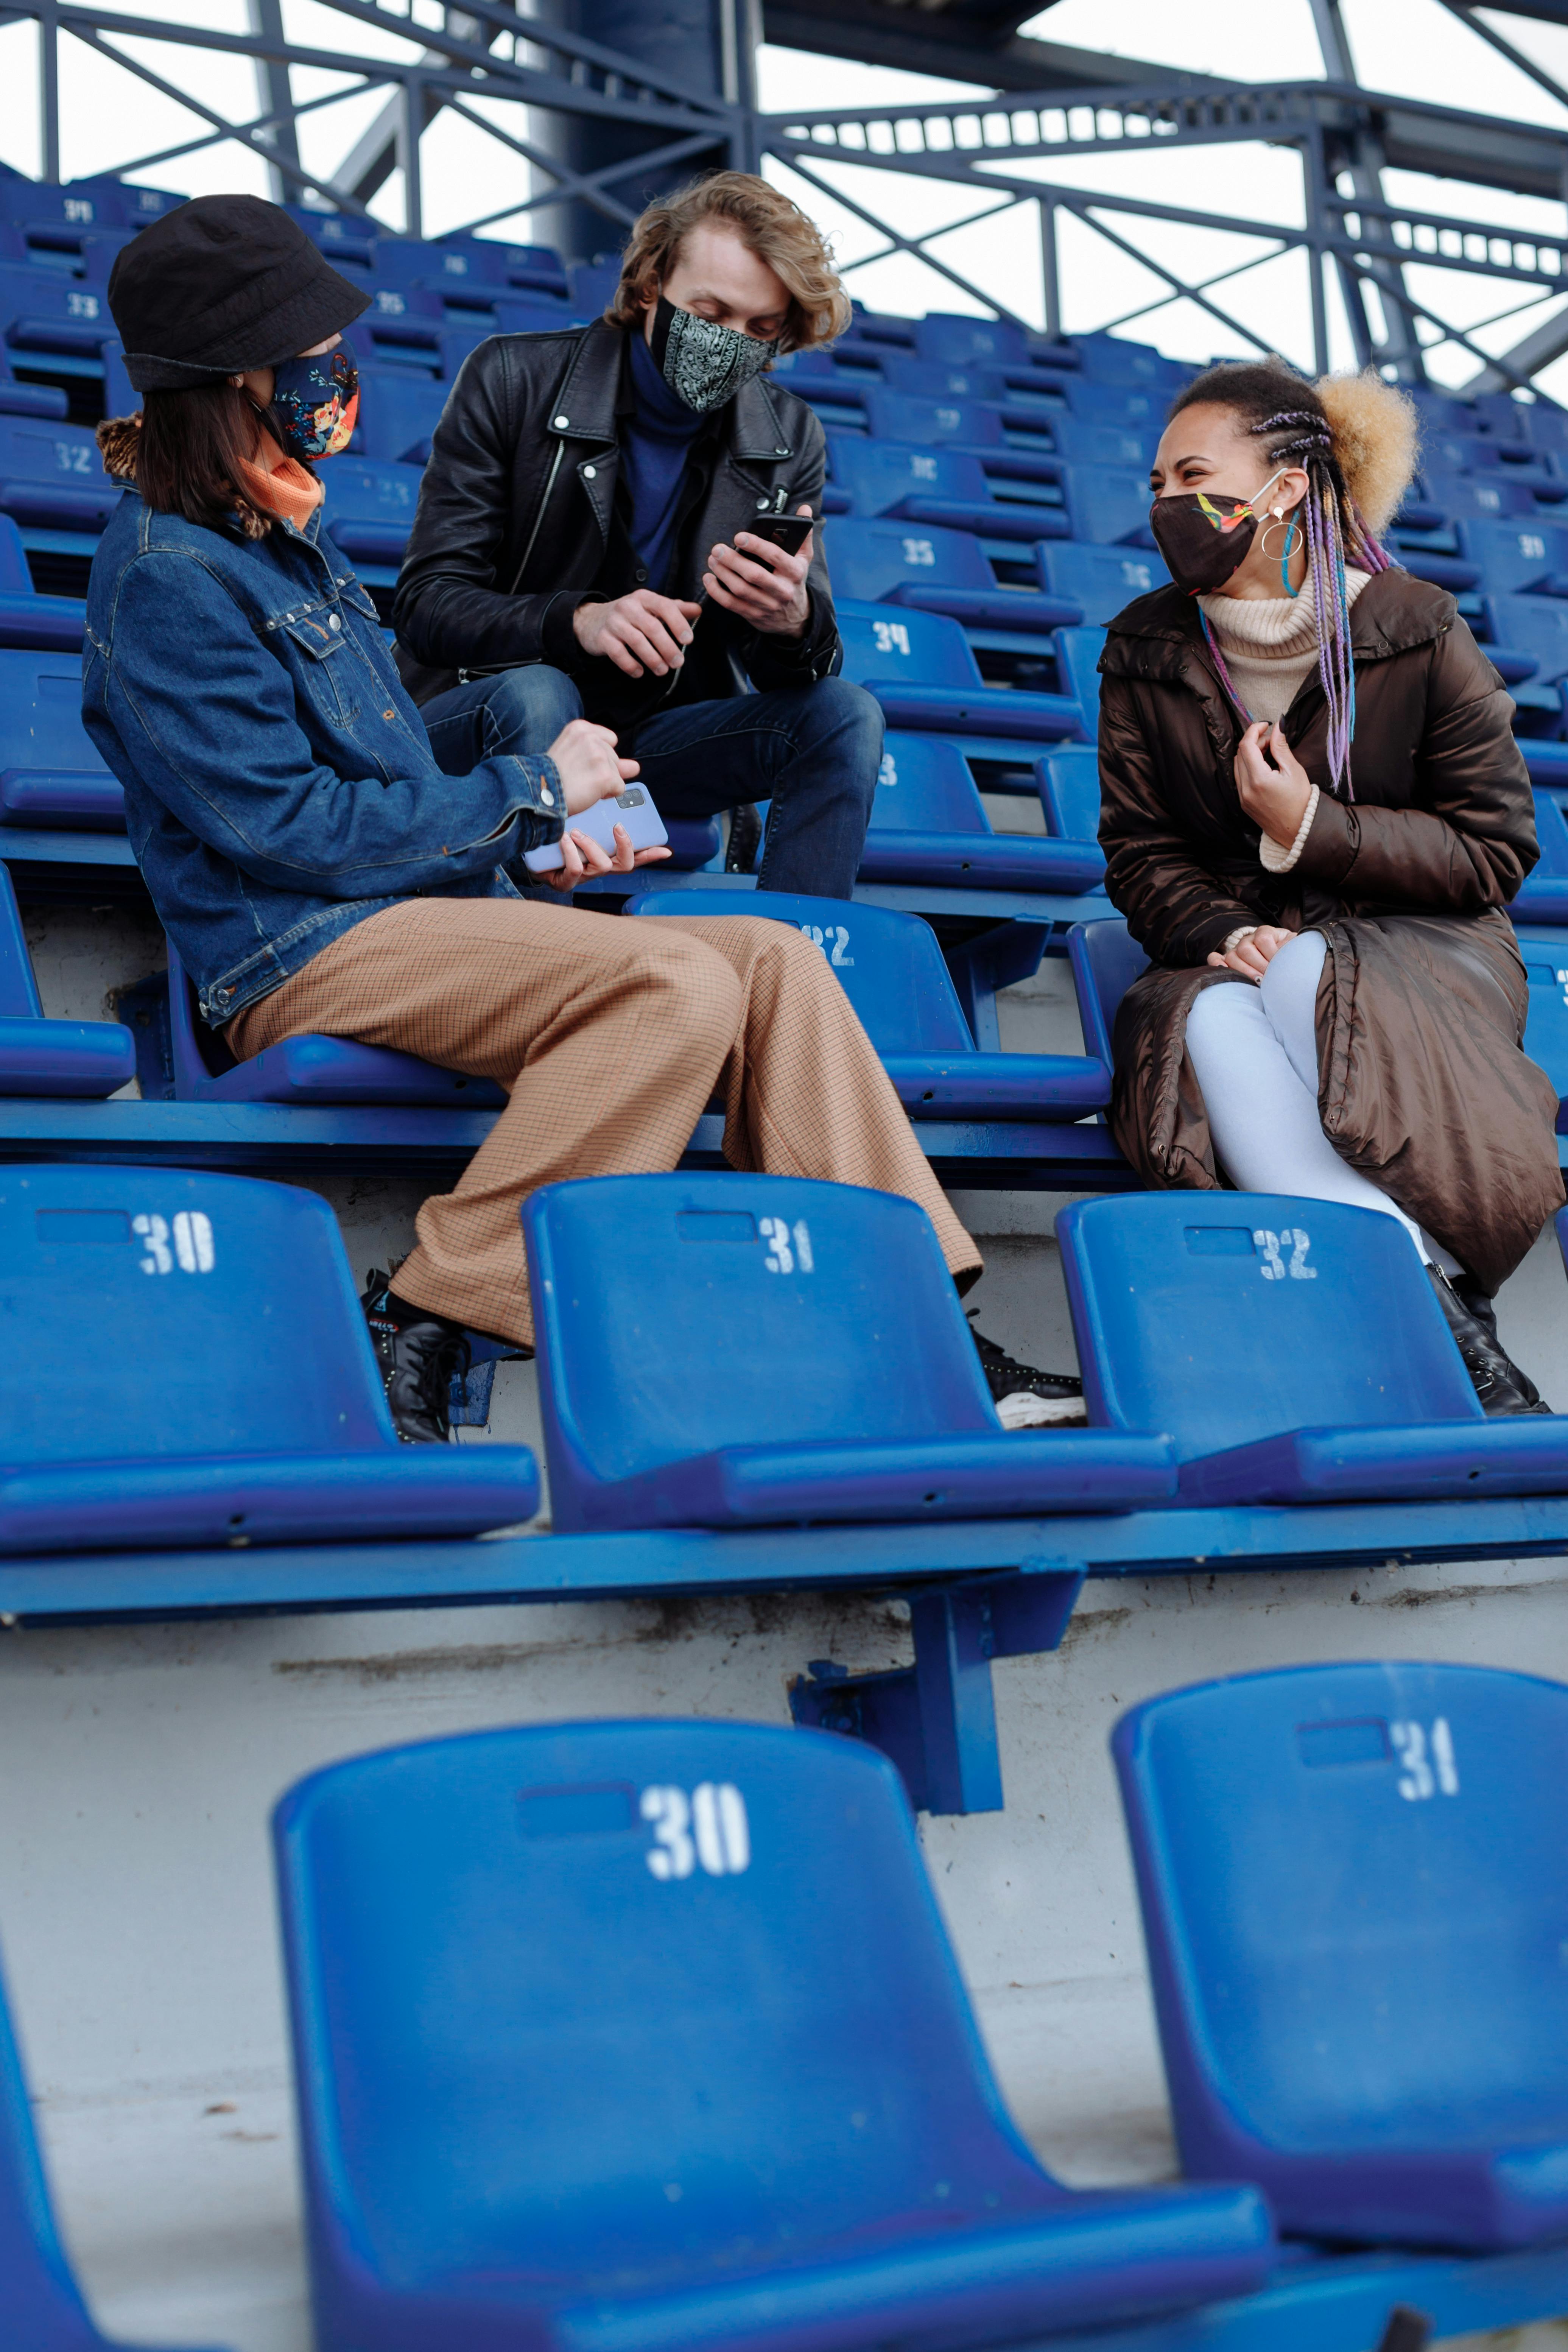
(1293, 541)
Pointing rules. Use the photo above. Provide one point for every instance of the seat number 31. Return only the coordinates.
(709, 1826)
(1427, 1758)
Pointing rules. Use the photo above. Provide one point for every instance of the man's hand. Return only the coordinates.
(769, 593)
(637, 633)
(586, 761)
(1252, 956)
(1275, 795)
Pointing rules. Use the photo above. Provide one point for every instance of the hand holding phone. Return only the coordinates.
(762, 577)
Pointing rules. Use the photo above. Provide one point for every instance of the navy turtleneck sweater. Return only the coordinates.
(653, 450)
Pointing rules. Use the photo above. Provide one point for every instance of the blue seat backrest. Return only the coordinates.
(938, 379)
(547, 1982)
(1103, 580)
(15, 580)
(1111, 358)
(83, 203)
(925, 785)
(1078, 669)
(41, 714)
(870, 559)
(154, 1286)
(899, 416)
(878, 474)
(371, 491)
(1491, 496)
(889, 963)
(19, 998)
(1069, 789)
(797, 1312)
(913, 648)
(1130, 405)
(27, 292)
(48, 453)
(1515, 555)
(1355, 1882)
(1532, 625)
(1103, 445)
(1108, 504)
(1543, 426)
(43, 2307)
(959, 342)
(1480, 453)
(398, 414)
(1219, 1317)
(1106, 960)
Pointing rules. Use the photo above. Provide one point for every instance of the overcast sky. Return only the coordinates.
(1412, 47)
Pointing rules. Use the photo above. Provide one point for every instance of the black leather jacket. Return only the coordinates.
(517, 523)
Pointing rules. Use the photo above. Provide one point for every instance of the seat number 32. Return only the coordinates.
(709, 1826)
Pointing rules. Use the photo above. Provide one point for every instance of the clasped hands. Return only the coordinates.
(1274, 789)
(643, 633)
(586, 761)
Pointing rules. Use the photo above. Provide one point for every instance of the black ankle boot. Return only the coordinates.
(418, 1354)
(1499, 1383)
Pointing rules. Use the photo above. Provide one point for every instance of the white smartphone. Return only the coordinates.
(633, 810)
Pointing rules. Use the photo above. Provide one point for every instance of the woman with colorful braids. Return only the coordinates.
(1314, 815)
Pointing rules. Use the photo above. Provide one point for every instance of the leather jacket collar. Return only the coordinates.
(586, 406)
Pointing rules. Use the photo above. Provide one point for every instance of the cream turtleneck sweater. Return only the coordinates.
(1270, 645)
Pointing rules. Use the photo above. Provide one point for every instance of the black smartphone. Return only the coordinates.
(788, 531)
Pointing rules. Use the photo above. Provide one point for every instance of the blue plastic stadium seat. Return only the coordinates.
(1077, 652)
(477, 263)
(1126, 405)
(1532, 625)
(82, 1060)
(43, 310)
(1545, 955)
(28, 619)
(84, 204)
(920, 669)
(948, 487)
(826, 1371)
(397, 415)
(50, 773)
(1524, 556)
(903, 416)
(370, 508)
(1485, 455)
(199, 1416)
(43, 2305)
(1543, 895)
(893, 974)
(1108, 505)
(1490, 497)
(1104, 958)
(1314, 1364)
(1112, 360)
(306, 1070)
(51, 474)
(958, 342)
(929, 824)
(548, 1984)
(1069, 782)
(936, 570)
(1353, 1880)
(1101, 580)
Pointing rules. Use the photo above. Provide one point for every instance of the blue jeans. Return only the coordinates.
(813, 751)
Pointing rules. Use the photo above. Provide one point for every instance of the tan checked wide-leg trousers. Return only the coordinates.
(610, 1036)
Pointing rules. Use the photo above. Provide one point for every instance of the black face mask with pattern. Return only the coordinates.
(704, 364)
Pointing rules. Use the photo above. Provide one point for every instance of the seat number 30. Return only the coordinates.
(709, 1826)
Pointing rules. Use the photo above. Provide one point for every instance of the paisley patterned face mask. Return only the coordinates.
(703, 364)
(315, 402)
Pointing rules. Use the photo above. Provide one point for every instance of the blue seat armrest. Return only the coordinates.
(33, 400)
(402, 1491)
(1430, 1461)
(1547, 761)
(987, 519)
(1555, 584)
(84, 505)
(693, 842)
(1543, 897)
(81, 1061)
(977, 860)
(991, 608)
(1513, 668)
(979, 710)
(76, 798)
(1011, 1474)
(370, 542)
(54, 623)
(1420, 514)
(1441, 570)
(339, 1070)
(1050, 1087)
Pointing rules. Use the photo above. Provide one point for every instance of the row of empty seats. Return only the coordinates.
(469, 1925)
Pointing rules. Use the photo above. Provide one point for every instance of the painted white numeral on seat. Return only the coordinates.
(803, 1247)
(923, 469)
(194, 1241)
(887, 773)
(710, 1827)
(918, 551)
(192, 1237)
(833, 941)
(780, 1258)
(1272, 1269)
(1299, 1270)
(674, 1855)
(891, 636)
(1427, 1758)
(155, 1234)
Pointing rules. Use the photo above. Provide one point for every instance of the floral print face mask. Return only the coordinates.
(315, 402)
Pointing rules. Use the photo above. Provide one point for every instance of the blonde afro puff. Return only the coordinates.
(1375, 429)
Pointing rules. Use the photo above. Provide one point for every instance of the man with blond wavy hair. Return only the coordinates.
(586, 543)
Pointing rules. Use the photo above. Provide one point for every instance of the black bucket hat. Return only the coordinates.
(219, 286)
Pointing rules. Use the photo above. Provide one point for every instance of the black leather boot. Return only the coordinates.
(418, 1354)
(1499, 1383)
(745, 839)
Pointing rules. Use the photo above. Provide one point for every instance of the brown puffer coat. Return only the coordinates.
(1423, 1084)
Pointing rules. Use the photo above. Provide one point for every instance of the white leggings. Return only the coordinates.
(1255, 1050)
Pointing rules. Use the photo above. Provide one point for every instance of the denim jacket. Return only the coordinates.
(279, 785)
